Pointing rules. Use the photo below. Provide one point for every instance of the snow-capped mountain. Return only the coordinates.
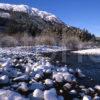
(22, 18)
(26, 9)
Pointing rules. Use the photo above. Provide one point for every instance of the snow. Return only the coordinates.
(95, 51)
(46, 48)
(32, 11)
(5, 15)
(6, 6)
(40, 79)
(21, 8)
(31, 50)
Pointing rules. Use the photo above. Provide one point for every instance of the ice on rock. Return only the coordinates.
(50, 94)
(86, 97)
(38, 94)
(4, 79)
(10, 95)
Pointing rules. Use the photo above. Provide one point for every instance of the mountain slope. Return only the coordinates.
(24, 19)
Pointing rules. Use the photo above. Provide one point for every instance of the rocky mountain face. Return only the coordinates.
(22, 18)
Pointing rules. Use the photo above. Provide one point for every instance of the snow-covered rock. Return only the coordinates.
(21, 78)
(97, 87)
(10, 95)
(23, 87)
(86, 97)
(68, 77)
(50, 94)
(49, 82)
(58, 77)
(38, 94)
(4, 79)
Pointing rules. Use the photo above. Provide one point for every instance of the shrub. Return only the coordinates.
(26, 40)
(73, 43)
(45, 40)
(8, 41)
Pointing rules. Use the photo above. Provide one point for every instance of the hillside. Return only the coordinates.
(21, 19)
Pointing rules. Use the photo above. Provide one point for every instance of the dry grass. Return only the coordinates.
(45, 40)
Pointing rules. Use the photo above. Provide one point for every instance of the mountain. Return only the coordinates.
(16, 19)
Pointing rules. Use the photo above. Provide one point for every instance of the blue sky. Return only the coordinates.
(78, 13)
